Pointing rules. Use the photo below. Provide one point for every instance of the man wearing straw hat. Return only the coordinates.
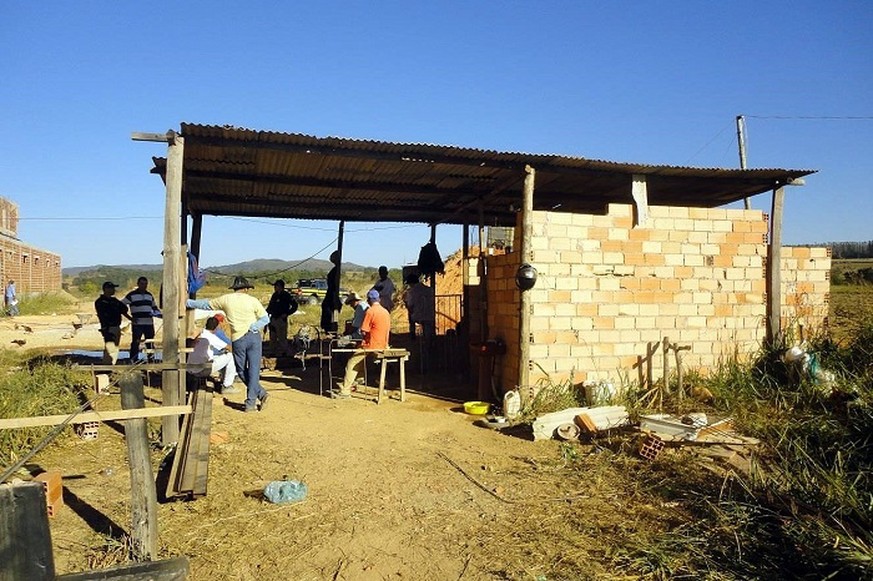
(247, 317)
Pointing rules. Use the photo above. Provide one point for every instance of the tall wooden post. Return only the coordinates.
(526, 254)
(741, 143)
(143, 496)
(172, 284)
(25, 538)
(774, 271)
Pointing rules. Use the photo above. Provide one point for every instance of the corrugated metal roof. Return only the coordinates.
(232, 171)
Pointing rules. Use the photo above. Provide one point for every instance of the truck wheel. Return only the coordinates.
(313, 300)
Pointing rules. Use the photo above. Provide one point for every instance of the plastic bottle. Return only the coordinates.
(281, 491)
(511, 404)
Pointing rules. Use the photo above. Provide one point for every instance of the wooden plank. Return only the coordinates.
(204, 428)
(143, 496)
(25, 539)
(121, 368)
(103, 416)
(167, 570)
(172, 490)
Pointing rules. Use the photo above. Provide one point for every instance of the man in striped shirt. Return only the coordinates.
(143, 309)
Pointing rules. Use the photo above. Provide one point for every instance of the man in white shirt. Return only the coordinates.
(385, 286)
(209, 348)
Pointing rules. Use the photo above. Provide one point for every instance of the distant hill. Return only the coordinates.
(259, 265)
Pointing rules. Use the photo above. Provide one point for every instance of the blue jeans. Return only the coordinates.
(247, 357)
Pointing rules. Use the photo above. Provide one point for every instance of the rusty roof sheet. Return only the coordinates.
(231, 171)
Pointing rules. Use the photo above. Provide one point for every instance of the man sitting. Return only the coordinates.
(375, 330)
(209, 348)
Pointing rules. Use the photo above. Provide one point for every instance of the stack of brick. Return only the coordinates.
(606, 288)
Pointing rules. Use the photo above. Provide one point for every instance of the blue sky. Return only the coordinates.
(649, 82)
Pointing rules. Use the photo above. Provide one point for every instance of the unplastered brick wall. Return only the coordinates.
(806, 281)
(33, 270)
(607, 288)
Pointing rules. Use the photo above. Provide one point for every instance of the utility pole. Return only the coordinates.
(741, 141)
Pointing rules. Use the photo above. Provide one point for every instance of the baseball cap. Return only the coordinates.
(109, 284)
(373, 294)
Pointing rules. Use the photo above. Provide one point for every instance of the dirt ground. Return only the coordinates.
(412, 490)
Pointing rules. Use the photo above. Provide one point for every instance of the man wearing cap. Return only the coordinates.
(109, 312)
(247, 317)
(376, 329)
(281, 305)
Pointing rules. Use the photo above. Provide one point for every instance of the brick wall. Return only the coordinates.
(606, 289)
(32, 269)
(806, 282)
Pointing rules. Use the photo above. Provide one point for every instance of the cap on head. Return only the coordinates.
(241, 282)
(280, 283)
(352, 298)
(109, 284)
(373, 295)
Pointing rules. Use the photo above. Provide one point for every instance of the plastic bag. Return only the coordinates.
(282, 491)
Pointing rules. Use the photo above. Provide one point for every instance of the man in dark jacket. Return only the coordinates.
(109, 312)
(281, 305)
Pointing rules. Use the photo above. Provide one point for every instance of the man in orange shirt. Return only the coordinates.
(376, 329)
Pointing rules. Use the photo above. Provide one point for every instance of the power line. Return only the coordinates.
(813, 117)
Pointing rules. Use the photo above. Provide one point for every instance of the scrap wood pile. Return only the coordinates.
(714, 439)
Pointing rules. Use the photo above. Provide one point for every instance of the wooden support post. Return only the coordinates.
(774, 270)
(25, 538)
(484, 384)
(678, 350)
(172, 284)
(526, 253)
(143, 495)
(666, 360)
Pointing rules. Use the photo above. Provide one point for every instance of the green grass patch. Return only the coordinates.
(34, 387)
(48, 303)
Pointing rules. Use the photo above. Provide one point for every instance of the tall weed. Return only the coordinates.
(35, 388)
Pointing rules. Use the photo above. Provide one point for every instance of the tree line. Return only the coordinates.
(851, 249)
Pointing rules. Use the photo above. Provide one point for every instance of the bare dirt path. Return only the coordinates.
(388, 498)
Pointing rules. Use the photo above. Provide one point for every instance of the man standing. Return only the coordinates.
(280, 307)
(420, 305)
(331, 304)
(11, 299)
(385, 287)
(143, 309)
(109, 312)
(247, 317)
(376, 329)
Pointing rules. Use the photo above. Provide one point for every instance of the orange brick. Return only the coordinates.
(650, 284)
(630, 283)
(54, 490)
